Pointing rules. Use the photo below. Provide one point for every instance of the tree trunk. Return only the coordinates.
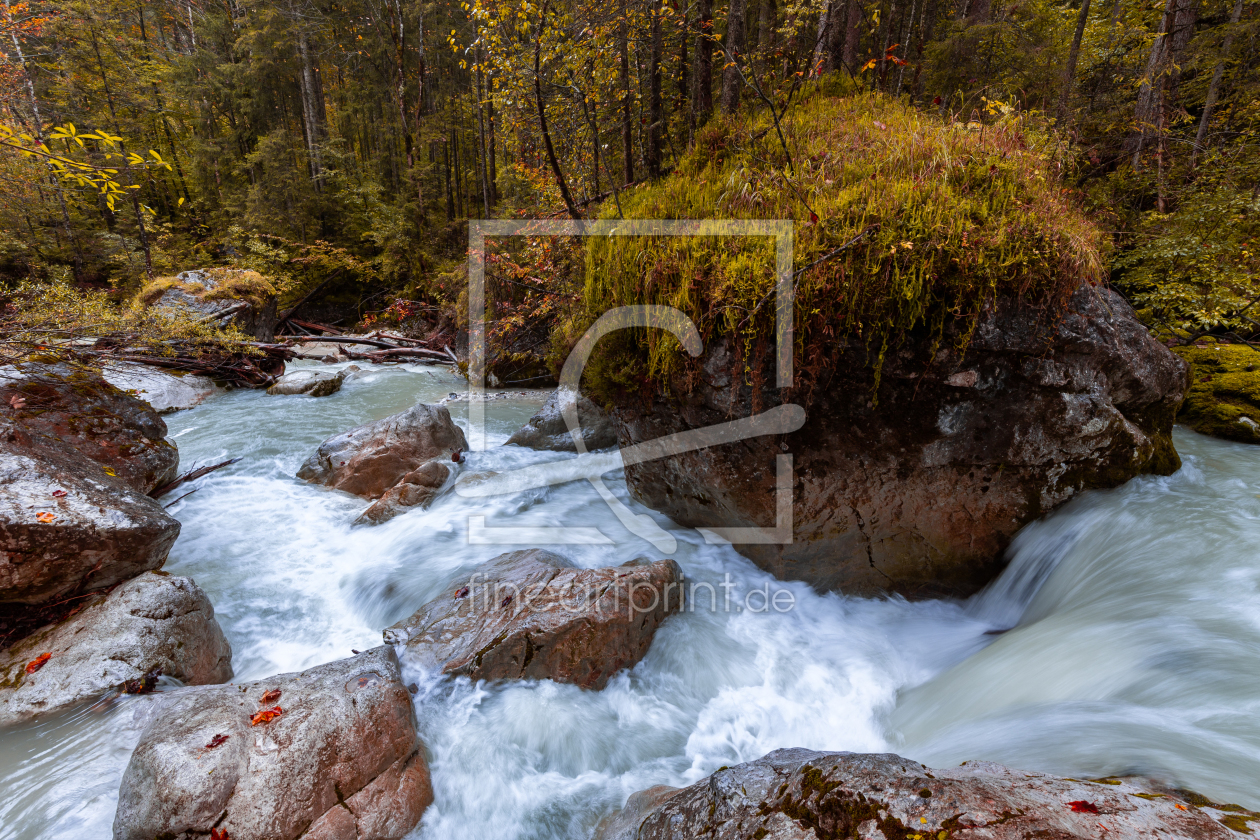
(732, 79)
(655, 117)
(1164, 52)
(542, 123)
(1069, 72)
(1214, 87)
(702, 101)
(766, 18)
(311, 124)
(852, 35)
(627, 101)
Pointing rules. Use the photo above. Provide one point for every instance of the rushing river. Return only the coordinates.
(1123, 638)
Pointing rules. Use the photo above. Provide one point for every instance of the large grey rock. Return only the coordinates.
(418, 488)
(225, 296)
(918, 488)
(532, 615)
(799, 794)
(66, 526)
(370, 459)
(342, 760)
(313, 383)
(164, 392)
(61, 405)
(154, 624)
(547, 430)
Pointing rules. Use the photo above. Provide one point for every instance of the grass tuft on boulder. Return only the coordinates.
(939, 218)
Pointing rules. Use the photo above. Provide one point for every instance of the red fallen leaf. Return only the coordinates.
(1082, 807)
(57, 494)
(462, 593)
(456, 456)
(936, 100)
(216, 741)
(37, 663)
(506, 601)
(880, 125)
(270, 697)
(219, 834)
(266, 716)
(813, 218)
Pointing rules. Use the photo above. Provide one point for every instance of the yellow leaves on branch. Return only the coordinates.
(78, 173)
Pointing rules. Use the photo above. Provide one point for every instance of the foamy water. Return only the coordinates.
(1132, 643)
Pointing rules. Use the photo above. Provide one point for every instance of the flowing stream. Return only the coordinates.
(1123, 638)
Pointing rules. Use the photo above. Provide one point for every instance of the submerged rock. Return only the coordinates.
(63, 405)
(547, 430)
(68, 527)
(1224, 396)
(533, 615)
(417, 488)
(164, 392)
(313, 383)
(920, 491)
(369, 459)
(324, 754)
(152, 625)
(798, 794)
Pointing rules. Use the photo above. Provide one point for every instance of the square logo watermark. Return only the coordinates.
(593, 466)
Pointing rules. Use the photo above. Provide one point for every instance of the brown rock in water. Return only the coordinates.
(65, 405)
(547, 430)
(153, 624)
(920, 492)
(533, 615)
(66, 526)
(341, 760)
(312, 383)
(417, 488)
(369, 459)
(799, 794)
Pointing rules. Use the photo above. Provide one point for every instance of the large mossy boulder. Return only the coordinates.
(224, 296)
(1224, 396)
(330, 753)
(798, 794)
(962, 368)
(153, 625)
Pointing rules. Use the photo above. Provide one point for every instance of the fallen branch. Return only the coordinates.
(341, 339)
(406, 352)
(189, 476)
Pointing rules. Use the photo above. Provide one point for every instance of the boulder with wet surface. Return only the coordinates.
(418, 488)
(547, 430)
(330, 753)
(533, 615)
(312, 383)
(162, 390)
(369, 459)
(798, 794)
(153, 625)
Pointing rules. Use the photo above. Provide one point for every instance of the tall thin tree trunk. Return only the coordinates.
(702, 101)
(732, 81)
(1214, 87)
(310, 107)
(1074, 54)
(655, 117)
(766, 17)
(852, 35)
(627, 136)
(542, 123)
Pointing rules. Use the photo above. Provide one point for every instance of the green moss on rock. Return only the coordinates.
(1224, 396)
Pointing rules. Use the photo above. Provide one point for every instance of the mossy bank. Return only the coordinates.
(1224, 395)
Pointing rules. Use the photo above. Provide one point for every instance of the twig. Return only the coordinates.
(189, 476)
(181, 498)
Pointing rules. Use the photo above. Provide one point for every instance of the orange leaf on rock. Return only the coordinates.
(270, 697)
(266, 716)
(37, 663)
(219, 834)
(45, 517)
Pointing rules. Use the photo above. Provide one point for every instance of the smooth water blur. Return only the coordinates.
(1135, 643)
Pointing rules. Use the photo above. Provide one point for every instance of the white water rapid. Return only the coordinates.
(1131, 643)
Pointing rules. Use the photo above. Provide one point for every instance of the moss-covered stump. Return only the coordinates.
(1224, 396)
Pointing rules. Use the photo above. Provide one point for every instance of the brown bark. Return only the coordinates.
(732, 79)
(1214, 87)
(702, 101)
(1069, 72)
